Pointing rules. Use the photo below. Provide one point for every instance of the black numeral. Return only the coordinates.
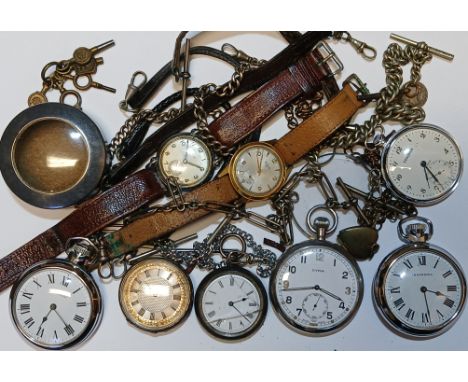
(422, 260)
(345, 275)
(424, 317)
(400, 303)
(449, 302)
(40, 332)
(299, 311)
(51, 278)
(25, 308)
(66, 281)
(69, 329)
(303, 259)
(410, 314)
(292, 269)
(29, 322)
(78, 318)
(288, 300)
(408, 264)
(447, 274)
(341, 305)
(451, 288)
(395, 290)
(80, 304)
(27, 295)
(329, 315)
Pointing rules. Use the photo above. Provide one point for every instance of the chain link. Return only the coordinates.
(389, 106)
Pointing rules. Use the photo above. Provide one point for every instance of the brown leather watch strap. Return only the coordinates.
(158, 225)
(91, 216)
(303, 77)
(318, 127)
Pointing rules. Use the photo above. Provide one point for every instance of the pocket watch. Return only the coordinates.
(55, 304)
(317, 286)
(422, 164)
(187, 159)
(231, 303)
(156, 295)
(419, 289)
(257, 171)
(52, 155)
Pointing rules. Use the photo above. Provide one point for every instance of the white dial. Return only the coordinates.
(422, 291)
(257, 170)
(231, 303)
(54, 306)
(187, 159)
(316, 288)
(423, 164)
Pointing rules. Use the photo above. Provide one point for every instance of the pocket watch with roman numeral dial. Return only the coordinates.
(422, 164)
(156, 295)
(55, 304)
(316, 287)
(419, 289)
(231, 303)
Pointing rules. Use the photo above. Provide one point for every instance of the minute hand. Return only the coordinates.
(432, 174)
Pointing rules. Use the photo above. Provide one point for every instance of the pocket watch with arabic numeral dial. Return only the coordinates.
(419, 289)
(187, 159)
(55, 304)
(156, 295)
(316, 287)
(231, 303)
(422, 164)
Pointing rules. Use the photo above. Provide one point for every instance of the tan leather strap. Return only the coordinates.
(91, 216)
(161, 224)
(318, 127)
(303, 77)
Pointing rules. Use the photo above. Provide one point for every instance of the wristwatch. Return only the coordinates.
(306, 75)
(229, 187)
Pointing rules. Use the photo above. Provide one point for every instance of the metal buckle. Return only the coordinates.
(357, 84)
(330, 56)
(176, 193)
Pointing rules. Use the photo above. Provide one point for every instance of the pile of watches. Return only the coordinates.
(53, 156)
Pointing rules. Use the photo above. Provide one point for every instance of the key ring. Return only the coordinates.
(408, 236)
(239, 238)
(321, 207)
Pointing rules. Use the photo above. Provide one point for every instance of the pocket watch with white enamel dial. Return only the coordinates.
(231, 303)
(316, 287)
(55, 304)
(257, 171)
(419, 289)
(422, 164)
(156, 295)
(187, 159)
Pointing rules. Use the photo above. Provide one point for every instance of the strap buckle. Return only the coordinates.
(330, 57)
(357, 84)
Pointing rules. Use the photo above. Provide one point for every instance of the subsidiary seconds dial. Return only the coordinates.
(422, 164)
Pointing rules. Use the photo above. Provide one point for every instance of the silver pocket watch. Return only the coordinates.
(422, 164)
(317, 287)
(56, 304)
(419, 289)
(186, 159)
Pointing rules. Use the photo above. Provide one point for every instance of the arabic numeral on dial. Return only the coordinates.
(341, 306)
(299, 311)
(423, 190)
(437, 139)
(398, 150)
(408, 187)
(288, 300)
(345, 275)
(399, 177)
(423, 135)
(347, 291)
(329, 315)
(451, 163)
(292, 269)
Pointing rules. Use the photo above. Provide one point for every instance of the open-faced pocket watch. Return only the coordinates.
(422, 164)
(156, 294)
(419, 289)
(186, 159)
(53, 155)
(56, 304)
(317, 287)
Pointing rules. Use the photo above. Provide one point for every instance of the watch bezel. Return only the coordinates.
(236, 184)
(384, 167)
(219, 273)
(207, 174)
(382, 307)
(88, 281)
(315, 332)
(140, 326)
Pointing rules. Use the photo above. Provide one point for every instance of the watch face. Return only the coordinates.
(55, 305)
(419, 291)
(156, 295)
(316, 288)
(257, 171)
(231, 303)
(422, 164)
(187, 159)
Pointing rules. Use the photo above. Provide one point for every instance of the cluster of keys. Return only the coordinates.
(79, 70)
(120, 230)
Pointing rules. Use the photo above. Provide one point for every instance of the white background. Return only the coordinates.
(149, 51)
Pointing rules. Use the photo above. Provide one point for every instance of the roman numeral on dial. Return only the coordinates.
(78, 318)
(69, 329)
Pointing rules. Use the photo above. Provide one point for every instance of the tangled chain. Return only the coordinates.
(389, 107)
